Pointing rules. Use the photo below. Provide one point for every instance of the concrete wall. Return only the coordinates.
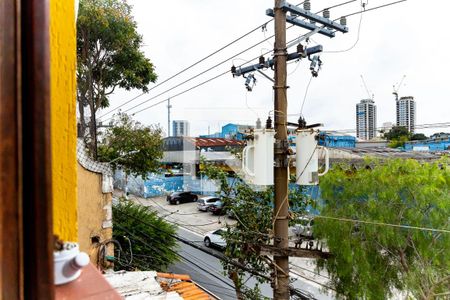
(63, 118)
(94, 213)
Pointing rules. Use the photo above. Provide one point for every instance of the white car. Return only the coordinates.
(215, 238)
(204, 203)
(304, 228)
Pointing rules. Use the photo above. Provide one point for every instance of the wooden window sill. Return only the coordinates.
(90, 285)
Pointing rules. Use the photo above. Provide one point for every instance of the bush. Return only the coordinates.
(147, 240)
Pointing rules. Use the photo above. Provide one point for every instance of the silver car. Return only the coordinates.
(204, 203)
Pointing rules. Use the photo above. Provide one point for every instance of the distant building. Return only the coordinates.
(406, 113)
(230, 131)
(336, 140)
(387, 126)
(366, 119)
(434, 143)
(180, 128)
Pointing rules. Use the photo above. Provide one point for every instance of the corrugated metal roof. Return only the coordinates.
(216, 142)
(183, 285)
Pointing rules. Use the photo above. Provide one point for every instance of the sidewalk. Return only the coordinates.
(189, 217)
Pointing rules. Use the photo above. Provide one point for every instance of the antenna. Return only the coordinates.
(397, 87)
(371, 95)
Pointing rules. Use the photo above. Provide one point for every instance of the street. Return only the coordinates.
(207, 270)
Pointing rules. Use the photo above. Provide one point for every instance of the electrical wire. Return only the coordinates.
(384, 224)
(190, 66)
(173, 251)
(373, 8)
(195, 76)
(358, 34)
(207, 71)
(304, 97)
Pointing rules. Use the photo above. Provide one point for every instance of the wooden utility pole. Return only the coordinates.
(281, 213)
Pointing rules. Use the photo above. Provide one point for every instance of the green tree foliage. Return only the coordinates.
(397, 132)
(397, 136)
(418, 137)
(131, 146)
(253, 210)
(371, 261)
(108, 56)
(153, 246)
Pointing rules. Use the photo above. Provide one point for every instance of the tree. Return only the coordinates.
(418, 137)
(150, 238)
(397, 136)
(253, 210)
(371, 261)
(108, 56)
(131, 146)
(396, 133)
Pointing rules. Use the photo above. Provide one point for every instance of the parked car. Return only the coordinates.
(217, 208)
(204, 203)
(215, 238)
(181, 197)
(304, 228)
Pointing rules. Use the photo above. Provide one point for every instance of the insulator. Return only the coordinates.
(269, 123)
(258, 123)
(262, 60)
(343, 21)
(326, 13)
(301, 123)
(307, 5)
(233, 70)
(300, 48)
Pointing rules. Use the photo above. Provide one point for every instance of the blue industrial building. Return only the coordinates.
(335, 140)
(230, 131)
(438, 144)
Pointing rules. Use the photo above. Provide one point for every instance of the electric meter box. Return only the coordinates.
(258, 157)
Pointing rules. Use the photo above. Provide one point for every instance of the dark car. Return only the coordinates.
(181, 197)
(217, 208)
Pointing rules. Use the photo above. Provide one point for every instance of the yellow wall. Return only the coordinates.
(63, 118)
(92, 203)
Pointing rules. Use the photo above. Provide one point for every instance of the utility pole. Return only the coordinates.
(168, 117)
(280, 249)
(281, 213)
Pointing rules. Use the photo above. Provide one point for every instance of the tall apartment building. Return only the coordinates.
(406, 113)
(180, 128)
(366, 119)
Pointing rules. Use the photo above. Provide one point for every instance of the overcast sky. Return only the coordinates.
(411, 38)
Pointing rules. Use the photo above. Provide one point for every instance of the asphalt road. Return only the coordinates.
(207, 271)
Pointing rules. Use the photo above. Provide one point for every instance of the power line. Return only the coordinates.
(201, 73)
(181, 93)
(373, 8)
(190, 66)
(420, 126)
(357, 38)
(221, 257)
(177, 254)
(306, 93)
(384, 224)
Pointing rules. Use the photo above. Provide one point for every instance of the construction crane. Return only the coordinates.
(371, 95)
(397, 87)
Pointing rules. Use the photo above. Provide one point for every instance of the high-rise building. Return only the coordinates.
(366, 119)
(180, 128)
(406, 113)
